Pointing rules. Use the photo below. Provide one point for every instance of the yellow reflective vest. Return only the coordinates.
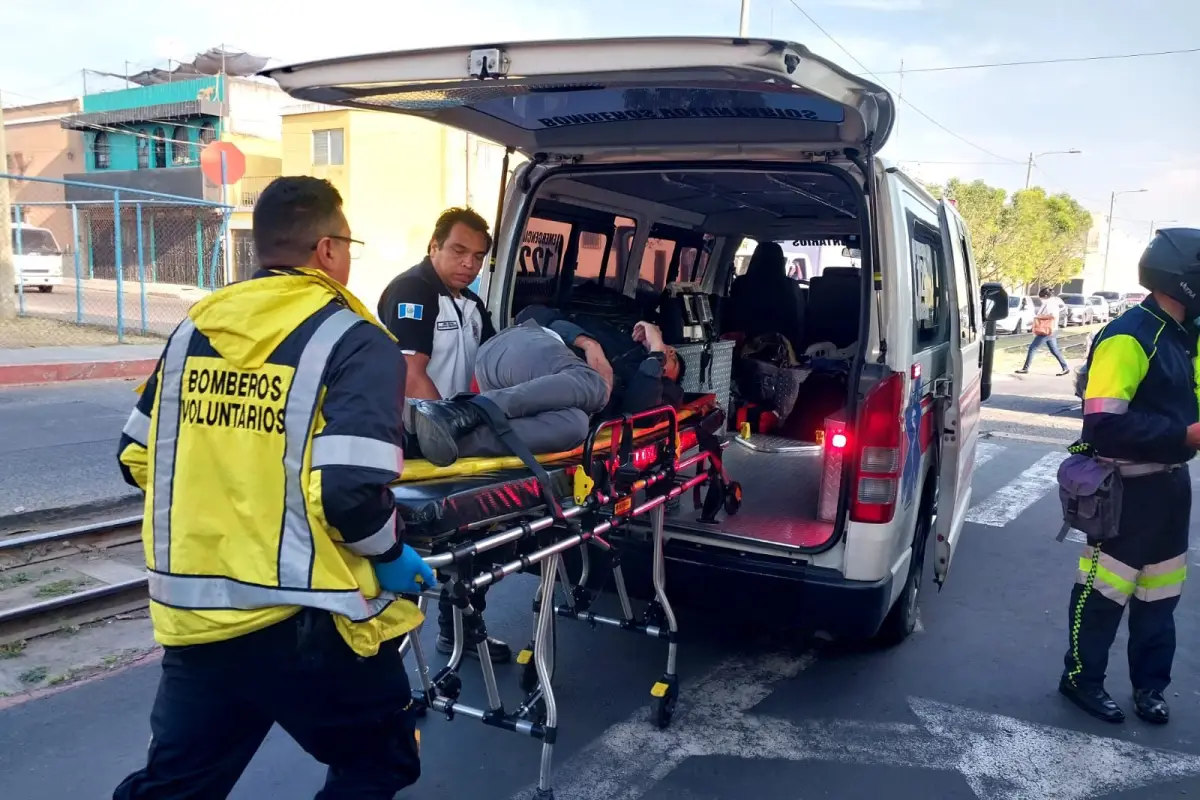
(265, 441)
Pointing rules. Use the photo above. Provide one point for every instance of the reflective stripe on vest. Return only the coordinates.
(296, 549)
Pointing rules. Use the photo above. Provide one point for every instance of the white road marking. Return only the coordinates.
(1001, 758)
(985, 452)
(1007, 503)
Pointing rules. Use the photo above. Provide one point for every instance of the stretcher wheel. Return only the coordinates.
(666, 697)
(733, 497)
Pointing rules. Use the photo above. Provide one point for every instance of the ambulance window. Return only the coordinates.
(968, 327)
(929, 288)
(693, 261)
(591, 254)
(656, 258)
(539, 261)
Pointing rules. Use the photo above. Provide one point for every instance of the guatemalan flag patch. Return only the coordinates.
(410, 311)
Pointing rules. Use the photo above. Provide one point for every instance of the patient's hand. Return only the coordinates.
(648, 335)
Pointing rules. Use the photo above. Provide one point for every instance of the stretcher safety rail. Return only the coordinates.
(622, 472)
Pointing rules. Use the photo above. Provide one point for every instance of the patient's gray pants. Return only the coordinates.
(544, 389)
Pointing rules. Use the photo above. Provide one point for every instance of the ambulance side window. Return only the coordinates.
(930, 299)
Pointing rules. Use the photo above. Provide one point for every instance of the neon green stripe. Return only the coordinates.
(1106, 575)
(1159, 581)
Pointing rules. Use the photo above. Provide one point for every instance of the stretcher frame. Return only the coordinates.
(604, 498)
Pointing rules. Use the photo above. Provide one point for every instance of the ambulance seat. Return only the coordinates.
(834, 299)
(765, 299)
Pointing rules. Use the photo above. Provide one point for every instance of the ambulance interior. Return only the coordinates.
(691, 250)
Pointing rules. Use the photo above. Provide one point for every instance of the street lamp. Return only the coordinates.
(1108, 237)
(1029, 164)
(744, 23)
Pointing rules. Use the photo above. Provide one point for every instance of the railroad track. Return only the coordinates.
(107, 586)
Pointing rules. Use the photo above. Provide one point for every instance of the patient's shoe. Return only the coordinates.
(438, 424)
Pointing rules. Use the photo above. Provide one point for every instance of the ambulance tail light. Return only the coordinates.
(878, 452)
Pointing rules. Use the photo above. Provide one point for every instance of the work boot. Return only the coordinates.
(438, 424)
(1094, 700)
(1150, 706)
(500, 652)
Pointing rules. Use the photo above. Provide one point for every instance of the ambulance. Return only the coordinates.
(656, 160)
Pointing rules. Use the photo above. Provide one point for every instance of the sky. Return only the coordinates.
(1135, 120)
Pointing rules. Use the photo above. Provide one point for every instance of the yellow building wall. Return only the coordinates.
(264, 162)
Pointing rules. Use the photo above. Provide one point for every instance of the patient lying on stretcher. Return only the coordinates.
(547, 375)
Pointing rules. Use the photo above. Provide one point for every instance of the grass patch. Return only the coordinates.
(34, 675)
(12, 649)
(61, 588)
(38, 332)
(16, 579)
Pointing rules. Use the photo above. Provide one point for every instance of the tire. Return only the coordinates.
(45, 289)
(901, 620)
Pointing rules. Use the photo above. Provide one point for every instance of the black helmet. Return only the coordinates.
(1171, 265)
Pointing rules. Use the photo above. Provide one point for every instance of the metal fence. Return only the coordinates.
(97, 264)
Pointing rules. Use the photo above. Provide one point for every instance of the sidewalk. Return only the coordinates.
(30, 365)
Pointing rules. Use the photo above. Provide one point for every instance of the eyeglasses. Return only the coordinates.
(356, 246)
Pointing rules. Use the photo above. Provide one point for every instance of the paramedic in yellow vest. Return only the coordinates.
(265, 441)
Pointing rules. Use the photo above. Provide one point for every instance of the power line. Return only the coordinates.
(1042, 61)
(904, 100)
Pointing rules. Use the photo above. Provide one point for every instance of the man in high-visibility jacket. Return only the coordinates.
(1141, 412)
(265, 441)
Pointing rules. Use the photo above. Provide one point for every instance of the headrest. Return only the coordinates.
(768, 261)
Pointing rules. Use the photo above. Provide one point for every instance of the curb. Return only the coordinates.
(28, 374)
(24, 520)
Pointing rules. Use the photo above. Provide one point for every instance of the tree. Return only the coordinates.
(1030, 237)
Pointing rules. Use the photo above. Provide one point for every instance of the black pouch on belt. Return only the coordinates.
(1091, 493)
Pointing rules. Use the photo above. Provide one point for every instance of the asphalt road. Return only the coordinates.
(59, 444)
(966, 708)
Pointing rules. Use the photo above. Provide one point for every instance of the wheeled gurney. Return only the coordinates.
(481, 520)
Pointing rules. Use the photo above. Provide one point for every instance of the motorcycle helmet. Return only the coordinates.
(1171, 265)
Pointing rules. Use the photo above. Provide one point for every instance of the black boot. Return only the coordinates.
(1094, 700)
(438, 424)
(1151, 706)
(498, 651)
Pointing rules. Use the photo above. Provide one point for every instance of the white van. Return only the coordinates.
(37, 258)
(694, 145)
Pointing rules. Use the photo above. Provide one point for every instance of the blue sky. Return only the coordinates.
(1136, 121)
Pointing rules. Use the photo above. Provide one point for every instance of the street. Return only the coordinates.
(966, 708)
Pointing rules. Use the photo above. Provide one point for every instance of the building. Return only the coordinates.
(38, 146)
(396, 173)
(148, 138)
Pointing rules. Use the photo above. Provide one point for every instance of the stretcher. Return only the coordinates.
(482, 520)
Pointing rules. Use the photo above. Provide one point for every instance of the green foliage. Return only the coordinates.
(1028, 238)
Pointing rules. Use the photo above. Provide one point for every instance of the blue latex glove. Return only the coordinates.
(401, 575)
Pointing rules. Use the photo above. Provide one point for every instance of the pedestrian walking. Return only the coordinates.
(1045, 331)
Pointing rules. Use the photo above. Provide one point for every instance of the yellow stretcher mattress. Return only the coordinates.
(421, 470)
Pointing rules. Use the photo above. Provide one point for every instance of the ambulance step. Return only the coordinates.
(768, 443)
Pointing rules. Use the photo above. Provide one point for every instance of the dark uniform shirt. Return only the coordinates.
(1141, 393)
(426, 318)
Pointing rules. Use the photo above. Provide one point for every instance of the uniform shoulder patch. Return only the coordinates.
(410, 311)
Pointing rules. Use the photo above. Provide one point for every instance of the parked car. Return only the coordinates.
(1116, 304)
(1020, 315)
(1079, 312)
(1132, 299)
(1100, 308)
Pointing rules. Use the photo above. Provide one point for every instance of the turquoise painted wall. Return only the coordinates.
(123, 152)
(141, 96)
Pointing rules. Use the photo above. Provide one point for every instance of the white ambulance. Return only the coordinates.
(655, 159)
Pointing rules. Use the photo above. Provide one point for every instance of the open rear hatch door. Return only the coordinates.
(643, 96)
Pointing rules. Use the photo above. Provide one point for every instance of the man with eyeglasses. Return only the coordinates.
(265, 441)
(440, 324)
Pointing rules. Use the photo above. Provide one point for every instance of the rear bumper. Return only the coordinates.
(39, 280)
(779, 592)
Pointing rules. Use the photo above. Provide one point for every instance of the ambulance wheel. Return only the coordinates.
(733, 498)
(664, 705)
(901, 621)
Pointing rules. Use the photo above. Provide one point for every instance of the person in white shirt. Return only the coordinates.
(1045, 329)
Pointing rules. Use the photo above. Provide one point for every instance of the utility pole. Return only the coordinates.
(1112, 201)
(744, 26)
(8, 272)
(1029, 169)
(1029, 164)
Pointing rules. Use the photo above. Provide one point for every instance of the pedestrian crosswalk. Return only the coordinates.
(1032, 473)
